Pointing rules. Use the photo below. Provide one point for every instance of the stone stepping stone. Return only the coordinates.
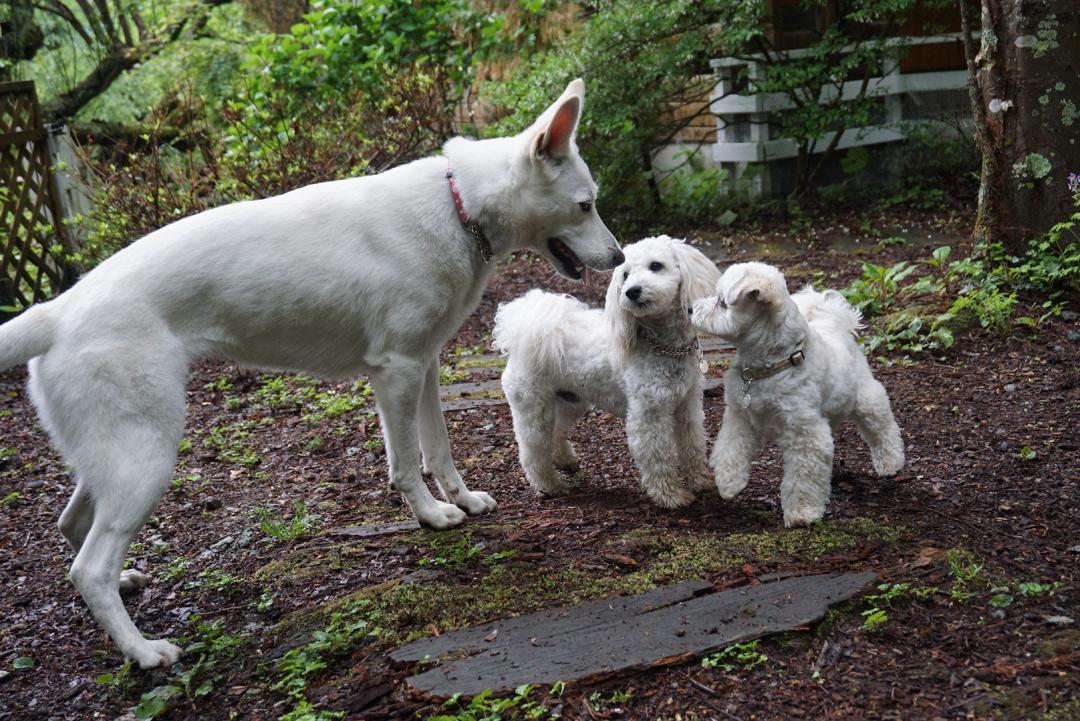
(666, 625)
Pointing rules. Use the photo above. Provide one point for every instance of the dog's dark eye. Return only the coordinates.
(656, 267)
(626, 274)
(720, 302)
(585, 205)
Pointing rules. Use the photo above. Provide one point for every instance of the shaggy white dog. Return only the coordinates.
(638, 358)
(797, 372)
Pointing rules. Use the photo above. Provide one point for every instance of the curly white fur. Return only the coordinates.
(797, 407)
(564, 357)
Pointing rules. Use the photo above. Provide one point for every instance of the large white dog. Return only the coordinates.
(797, 371)
(369, 275)
(638, 358)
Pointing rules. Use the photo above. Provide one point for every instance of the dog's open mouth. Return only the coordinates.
(571, 264)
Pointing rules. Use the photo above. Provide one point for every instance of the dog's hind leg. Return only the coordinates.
(808, 458)
(567, 414)
(877, 426)
(435, 447)
(77, 517)
(534, 429)
(735, 447)
(690, 434)
(650, 432)
(145, 463)
(398, 387)
(75, 523)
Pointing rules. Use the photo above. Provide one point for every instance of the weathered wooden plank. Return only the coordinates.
(558, 646)
(534, 628)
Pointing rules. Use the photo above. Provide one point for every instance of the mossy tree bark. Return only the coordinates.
(1025, 96)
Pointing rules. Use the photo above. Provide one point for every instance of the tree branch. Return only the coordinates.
(57, 8)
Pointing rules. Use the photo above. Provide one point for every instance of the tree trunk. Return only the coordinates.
(1026, 102)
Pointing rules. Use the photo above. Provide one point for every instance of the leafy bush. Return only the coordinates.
(355, 88)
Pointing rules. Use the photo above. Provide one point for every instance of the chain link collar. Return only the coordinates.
(482, 242)
(667, 351)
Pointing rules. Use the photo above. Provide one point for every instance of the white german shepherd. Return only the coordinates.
(369, 275)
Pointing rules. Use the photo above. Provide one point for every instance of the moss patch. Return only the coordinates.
(482, 592)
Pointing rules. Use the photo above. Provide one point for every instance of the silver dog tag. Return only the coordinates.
(745, 400)
(703, 366)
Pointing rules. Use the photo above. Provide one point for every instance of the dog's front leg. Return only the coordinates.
(650, 431)
(435, 446)
(808, 457)
(735, 447)
(398, 387)
(690, 434)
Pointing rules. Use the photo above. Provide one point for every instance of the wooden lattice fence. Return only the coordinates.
(34, 244)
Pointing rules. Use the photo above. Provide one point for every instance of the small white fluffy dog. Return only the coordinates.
(638, 358)
(797, 372)
(367, 275)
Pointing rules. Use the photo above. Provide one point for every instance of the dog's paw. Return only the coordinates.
(729, 487)
(475, 502)
(673, 498)
(701, 481)
(132, 580)
(802, 517)
(568, 465)
(156, 654)
(887, 462)
(441, 516)
(555, 490)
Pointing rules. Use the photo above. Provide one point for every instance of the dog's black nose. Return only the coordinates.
(617, 258)
(633, 293)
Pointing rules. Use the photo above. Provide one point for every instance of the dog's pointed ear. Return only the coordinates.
(553, 133)
(622, 324)
(698, 274)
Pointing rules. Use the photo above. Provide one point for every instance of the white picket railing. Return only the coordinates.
(743, 133)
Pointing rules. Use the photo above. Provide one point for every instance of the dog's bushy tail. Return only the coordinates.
(26, 336)
(828, 308)
(535, 327)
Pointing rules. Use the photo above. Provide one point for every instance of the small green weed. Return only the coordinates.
(877, 616)
(219, 384)
(230, 443)
(119, 682)
(10, 498)
(738, 655)
(453, 555)
(214, 579)
(485, 707)
(187, 683)
(175, 570)
(879, 286)
(301, 524)
(348, 628)
(449, 376)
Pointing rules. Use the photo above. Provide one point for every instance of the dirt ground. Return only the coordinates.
(978, 539)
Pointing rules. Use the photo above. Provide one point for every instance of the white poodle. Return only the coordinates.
(797, 372)
(638, 358)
